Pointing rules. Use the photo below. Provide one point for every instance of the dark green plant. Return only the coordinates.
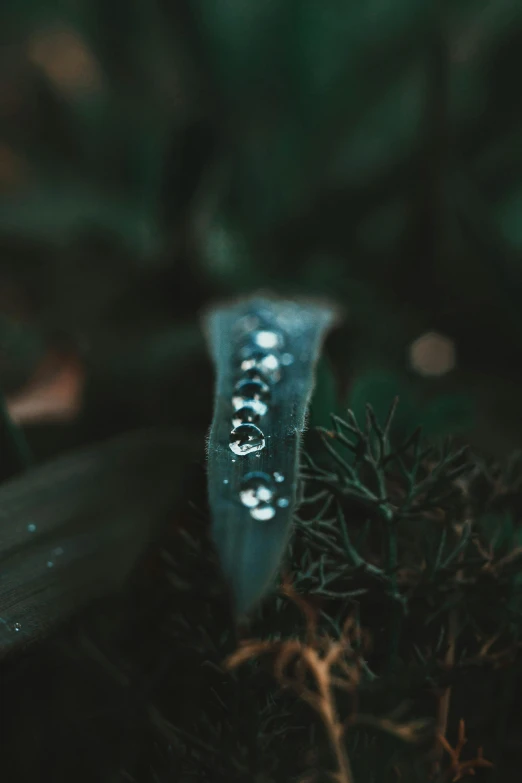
(251, 549)
(398, 573)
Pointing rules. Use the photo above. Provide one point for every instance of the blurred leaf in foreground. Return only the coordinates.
(72, 530)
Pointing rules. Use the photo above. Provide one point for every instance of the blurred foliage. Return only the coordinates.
(155, 155)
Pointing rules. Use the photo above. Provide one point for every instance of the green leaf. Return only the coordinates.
(72, 530)
(251, 550)
(58, 212)
(15, 455)
(23, 346)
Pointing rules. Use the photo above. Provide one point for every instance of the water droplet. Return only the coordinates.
(283, 502)
(287, 359)
(50, 564)
(278, 477)
(225, 481)
(246, 324)
(31, 528)
(265, 363)
(253, 393)
(263, 512)
(233, 460)
(246, 439)
(58, 551)
(267, 339)
(245, 415)
(255, 489)
(17, 627)
(254, 374)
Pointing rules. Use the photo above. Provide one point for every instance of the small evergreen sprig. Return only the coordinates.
(391, 533)
(383, 491)
(404, 576)
(405, 525)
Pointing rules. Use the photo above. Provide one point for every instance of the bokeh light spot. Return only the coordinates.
(433, 354)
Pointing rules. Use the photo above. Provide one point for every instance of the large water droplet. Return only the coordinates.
(245, 415)
(278, 477)
(263, 512)
(265, 363)
(246, 439)
(256, 488)
(267, 339)
(253, 393)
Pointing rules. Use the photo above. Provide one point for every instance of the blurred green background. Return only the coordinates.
(159, 155)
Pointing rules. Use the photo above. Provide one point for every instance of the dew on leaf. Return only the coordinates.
(265, 363)
(246, 324)
(245, 415)
(267, 339)
(246, 439)
(263, 512)
(253, 393)
(254, 374)
(255, 489)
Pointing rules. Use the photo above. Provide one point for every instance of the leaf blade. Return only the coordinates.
(91, 514)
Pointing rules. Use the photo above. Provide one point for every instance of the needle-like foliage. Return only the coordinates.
(391, 651)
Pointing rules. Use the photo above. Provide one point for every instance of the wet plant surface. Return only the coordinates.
(263, 329)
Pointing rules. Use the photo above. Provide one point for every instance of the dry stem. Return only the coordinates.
(462, 768)
(319, 656)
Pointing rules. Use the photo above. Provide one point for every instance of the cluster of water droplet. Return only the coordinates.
(258, 493)
(260, 361)
(56, 552)
(16, 627)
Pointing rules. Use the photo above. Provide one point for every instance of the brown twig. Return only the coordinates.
(449, 661)
(318, 656)
(445, 699)
(459, 768)
(332, 664)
